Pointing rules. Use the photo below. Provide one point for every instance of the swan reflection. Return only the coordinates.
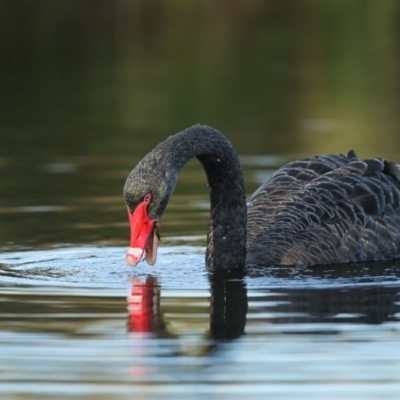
(227, 309)
(232, 309)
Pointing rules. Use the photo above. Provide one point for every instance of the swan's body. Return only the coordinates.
(323, 210)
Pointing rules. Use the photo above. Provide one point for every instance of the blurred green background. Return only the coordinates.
(89, 86)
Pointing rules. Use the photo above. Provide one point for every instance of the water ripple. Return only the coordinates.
(177, 267)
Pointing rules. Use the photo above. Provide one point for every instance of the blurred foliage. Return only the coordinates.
(90, 77)
(81, 79)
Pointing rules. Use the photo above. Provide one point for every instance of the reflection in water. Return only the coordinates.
(144, 306)
(356, 293)
(357, 273)
(345, 303)
(227, 312)
(232, 332)
(228, 305)
(371, 305)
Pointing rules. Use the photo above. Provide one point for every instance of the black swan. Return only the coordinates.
(326, 209)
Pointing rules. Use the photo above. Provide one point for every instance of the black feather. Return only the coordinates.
(324, 209)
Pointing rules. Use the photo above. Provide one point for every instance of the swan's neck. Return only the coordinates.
(226, 239)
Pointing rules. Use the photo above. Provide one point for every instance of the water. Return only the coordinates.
(77, 322)
(86, 90)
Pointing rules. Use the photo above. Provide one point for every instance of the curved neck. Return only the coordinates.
(226, 239)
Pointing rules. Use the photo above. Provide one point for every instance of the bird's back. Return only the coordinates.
(326, 209)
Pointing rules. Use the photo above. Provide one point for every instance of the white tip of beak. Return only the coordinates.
(134, 255)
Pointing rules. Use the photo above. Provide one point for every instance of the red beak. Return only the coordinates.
(143, 235)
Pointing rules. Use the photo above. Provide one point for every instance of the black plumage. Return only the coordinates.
(323, 210)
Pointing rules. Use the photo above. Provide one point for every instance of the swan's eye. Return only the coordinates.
(147, 198)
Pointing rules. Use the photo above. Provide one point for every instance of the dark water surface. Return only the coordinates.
(86, 89)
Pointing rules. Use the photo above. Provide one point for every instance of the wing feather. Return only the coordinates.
(326, 209)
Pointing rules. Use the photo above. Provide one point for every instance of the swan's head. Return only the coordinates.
(147, 191)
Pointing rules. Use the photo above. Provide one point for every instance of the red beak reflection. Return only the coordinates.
(143, 305)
